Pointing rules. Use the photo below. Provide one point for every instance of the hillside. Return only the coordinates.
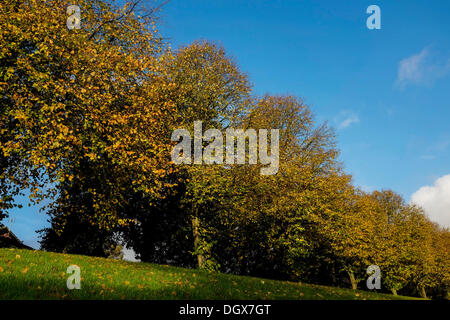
(26, 274)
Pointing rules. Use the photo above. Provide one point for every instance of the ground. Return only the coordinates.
(30, 274)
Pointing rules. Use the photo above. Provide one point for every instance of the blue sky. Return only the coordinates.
(386, 92)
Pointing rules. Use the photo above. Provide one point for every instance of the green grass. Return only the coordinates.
(26, 274)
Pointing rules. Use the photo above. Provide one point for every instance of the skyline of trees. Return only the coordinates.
(86, 120)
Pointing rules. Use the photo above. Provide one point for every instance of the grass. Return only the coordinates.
(27, 274)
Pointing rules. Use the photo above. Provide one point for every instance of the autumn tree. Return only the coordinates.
(257, 225)
(86, 118)
(441, 250)
(410, 252)
(70, 96)
(209, 87)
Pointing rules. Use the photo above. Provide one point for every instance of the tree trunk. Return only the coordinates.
(423, 293)
(394, 291)
(197, 241)
(333, 276)
(353, 280)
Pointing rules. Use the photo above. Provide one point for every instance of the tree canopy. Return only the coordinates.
(86, 118)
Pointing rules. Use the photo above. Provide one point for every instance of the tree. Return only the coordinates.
(209, 87)
(407, 256)
(351, 229)
(71, 96)
(395, 242)
(441, 250)
(258, 224)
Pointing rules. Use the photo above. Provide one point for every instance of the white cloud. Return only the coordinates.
(421, 68)
(345, 119)
(435, 200)
(411, 69)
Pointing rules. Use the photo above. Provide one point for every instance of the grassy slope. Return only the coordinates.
(26, 274)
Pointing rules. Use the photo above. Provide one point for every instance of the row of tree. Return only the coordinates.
(86, 121)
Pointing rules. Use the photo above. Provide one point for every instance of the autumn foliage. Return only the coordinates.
(86, 117)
